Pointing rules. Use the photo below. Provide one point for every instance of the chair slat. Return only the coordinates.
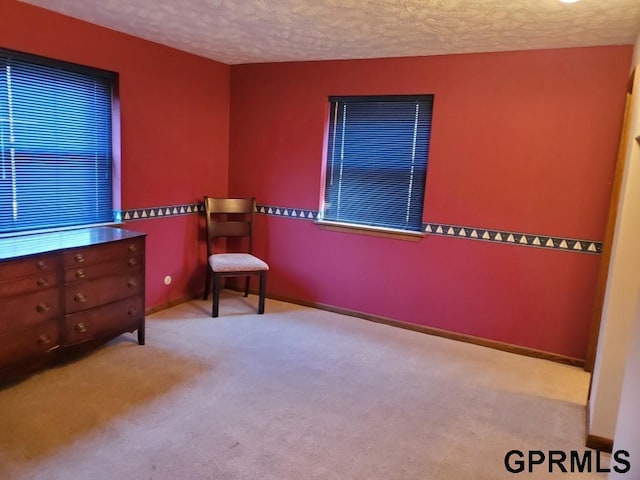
(230, 205)
(230, 229)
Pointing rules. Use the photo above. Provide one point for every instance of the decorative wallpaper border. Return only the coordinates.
(514, 238)
(154, 212)
(447, 230)
(299, 213)
(466, 232)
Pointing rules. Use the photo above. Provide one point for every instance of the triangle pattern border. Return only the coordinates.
(519, 239)
(289, 212)
(157, 212)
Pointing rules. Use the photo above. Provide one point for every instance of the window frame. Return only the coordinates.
(362, 228)
(112, 79)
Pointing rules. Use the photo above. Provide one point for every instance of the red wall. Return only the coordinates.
(521, 141)
(174, 127)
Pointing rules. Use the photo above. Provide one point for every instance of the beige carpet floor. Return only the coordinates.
(296, 393)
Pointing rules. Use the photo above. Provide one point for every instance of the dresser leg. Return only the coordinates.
(141, 333)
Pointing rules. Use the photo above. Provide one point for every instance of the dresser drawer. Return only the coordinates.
(79, 257)
(115, 267)
(24, 311)
(26, 344)
(120, 316)
(29, 266)
(93, 293)
(32, 283)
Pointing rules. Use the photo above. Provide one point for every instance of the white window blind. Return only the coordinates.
(55, 144)
(377, 155)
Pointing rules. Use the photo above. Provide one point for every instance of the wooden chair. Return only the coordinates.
(232, 217)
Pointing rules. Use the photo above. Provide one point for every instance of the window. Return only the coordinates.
(377, 154)
(55, 144)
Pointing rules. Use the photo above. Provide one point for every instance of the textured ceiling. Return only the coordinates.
(256, 31)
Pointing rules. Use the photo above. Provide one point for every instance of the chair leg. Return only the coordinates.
(207, 284)
(263, 289)
(216, 294)
(246, 286)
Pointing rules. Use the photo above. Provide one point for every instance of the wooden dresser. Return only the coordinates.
(67, 291)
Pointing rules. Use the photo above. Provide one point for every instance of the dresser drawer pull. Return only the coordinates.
(80, 273)
(44, 340)
(132, 262)
(80, 328)
(80, 297)
(41, 265)
(42, 308)
(79, 258)
(42, 282)
(132, 311)
(132, 283)
(132, 248)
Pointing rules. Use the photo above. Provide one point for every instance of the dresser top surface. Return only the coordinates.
(25, 245)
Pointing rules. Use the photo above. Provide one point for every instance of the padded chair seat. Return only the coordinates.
(236, 262)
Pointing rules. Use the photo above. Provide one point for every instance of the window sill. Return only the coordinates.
(367, 230)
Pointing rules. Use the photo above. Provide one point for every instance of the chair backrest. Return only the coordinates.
(229, 217)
